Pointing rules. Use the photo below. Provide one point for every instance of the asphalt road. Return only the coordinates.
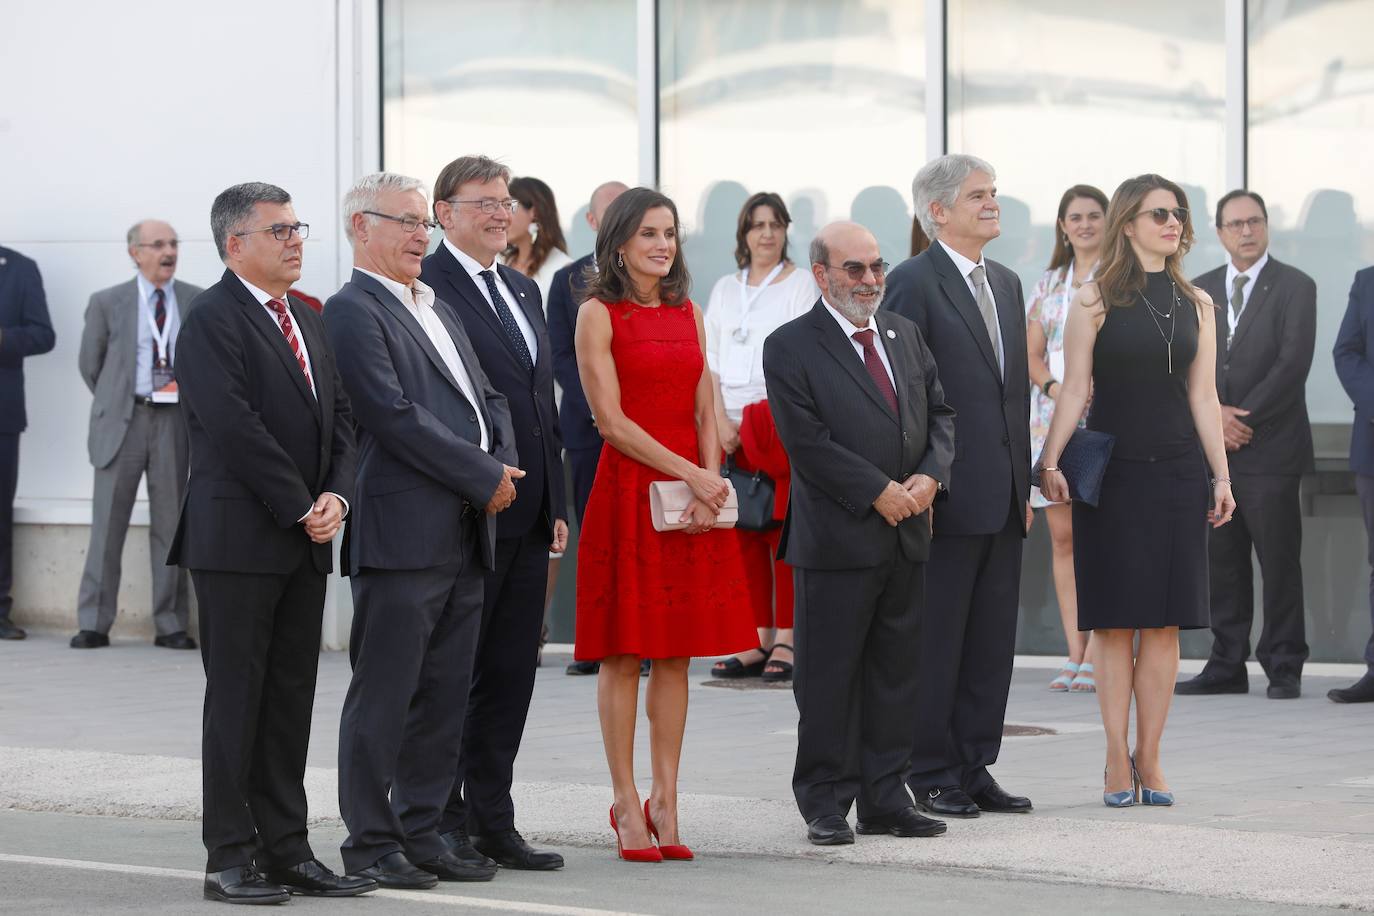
(60, 864)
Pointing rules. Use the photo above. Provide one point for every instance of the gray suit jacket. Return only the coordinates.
(109, 349)
(1265, 369)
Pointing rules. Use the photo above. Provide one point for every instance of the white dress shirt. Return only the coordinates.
(849, 330)
(419, 300)
(512, 300)
(143, 352)
(965, 267)
(264, 298)
(1251, 275)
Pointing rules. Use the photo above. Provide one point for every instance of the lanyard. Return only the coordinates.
(163, 337)
(748, 295)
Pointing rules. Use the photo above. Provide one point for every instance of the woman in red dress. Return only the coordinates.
(669, 595)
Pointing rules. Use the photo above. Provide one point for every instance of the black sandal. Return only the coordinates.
(785, 674)
(734, 668)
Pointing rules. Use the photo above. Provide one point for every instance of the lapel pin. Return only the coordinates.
(891, 334)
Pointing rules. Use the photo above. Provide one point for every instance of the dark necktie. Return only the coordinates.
(874, 364)
(160, 319)
(507, 319)
(1237, 305)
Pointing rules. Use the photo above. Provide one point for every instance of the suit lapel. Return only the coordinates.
(407, 320)
(454, 325)
(833, 340)
(532, 313)
(896, 355)
(1009, 319)
(956, 290)
(472, 299)
(276, 340)
(1259, 297)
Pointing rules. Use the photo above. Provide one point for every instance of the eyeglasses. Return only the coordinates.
(408, 223)
(282, 231)
(1240, 225)
(159, 245)
(857, 270)
(1161, 215)
(490, 205)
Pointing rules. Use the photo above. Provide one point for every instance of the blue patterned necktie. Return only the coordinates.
(507, 319)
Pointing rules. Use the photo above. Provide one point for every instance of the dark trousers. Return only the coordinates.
(260, 642)
(9, 479)
(412, 646)
(1268, 520)
(968, 642)
(856, 636)
(502, 684)
(1364, 486)
(583, 463)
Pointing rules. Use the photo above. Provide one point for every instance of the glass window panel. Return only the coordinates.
(1062, 92)
(1311, 114)
(821, 101)
(547, 87)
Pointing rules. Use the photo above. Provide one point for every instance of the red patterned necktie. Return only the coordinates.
(288, 331)
(874, 364)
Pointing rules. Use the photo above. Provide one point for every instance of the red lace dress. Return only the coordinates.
(639, 591)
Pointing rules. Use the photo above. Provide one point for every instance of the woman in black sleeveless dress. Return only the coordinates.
(1143, 340)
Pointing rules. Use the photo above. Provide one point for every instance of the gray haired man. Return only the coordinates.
(127, 360)
(435, 466)
(970, 311)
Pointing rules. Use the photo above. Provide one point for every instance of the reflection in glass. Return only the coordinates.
(821, 101)
(546, 87)
(1311, 114)
(1060, 92)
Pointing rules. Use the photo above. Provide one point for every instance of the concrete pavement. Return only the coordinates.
(1276, 798)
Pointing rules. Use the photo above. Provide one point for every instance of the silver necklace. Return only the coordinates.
(1157, 317)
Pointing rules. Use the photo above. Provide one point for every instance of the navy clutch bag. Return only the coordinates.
(1083, 462)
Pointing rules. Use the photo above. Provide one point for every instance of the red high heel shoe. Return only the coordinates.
(648, 854)
(671, 851)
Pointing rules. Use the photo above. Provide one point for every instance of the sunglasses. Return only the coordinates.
(857, 271)
(1161, 215)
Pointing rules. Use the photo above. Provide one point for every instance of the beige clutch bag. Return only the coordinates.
(668, 499)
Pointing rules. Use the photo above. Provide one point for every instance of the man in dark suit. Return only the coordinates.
(270, 480)
(25, 330)
(861, 413)
(127, 360)
(435, 464)
(1354, 355)
(581, 440)
(504, 319)
(971, 314)
(1266, 332)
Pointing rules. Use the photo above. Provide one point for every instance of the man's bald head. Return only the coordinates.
(840, 251)
(601, 199)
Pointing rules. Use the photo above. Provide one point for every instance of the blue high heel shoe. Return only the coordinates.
(1123, 799)
(1147, 795)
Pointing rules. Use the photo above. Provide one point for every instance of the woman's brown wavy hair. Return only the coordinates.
(1119, 275)
(772, 201)
(609, 281)
(537, 197)
(1063, 251)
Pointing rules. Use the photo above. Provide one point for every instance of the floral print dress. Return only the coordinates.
(1049, 306)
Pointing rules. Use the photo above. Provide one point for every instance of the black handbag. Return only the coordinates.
(1083, 462)
(755, 493)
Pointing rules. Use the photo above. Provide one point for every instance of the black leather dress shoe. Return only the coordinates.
(999, 801)
(1362, 691)
(1209, 682)
(905, 822)
(1287, 689)
(9, 631)
(394, 870)
(314, 879)
(242, 884)
(177, 640)
(583, 668)
(89, 639)
(831, 830)
(510, 850)
(951, 801)
(449, 867)
(460, 844)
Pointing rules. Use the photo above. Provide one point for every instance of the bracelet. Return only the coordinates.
(1044, 469)
(1045, 388)
(1217, 480)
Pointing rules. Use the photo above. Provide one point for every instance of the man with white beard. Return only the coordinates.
(861, 413)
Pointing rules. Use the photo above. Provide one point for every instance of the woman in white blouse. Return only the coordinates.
(745, 307)
(535, 238)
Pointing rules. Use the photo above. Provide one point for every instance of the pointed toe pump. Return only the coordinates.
(647, 854)
(677, 853)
